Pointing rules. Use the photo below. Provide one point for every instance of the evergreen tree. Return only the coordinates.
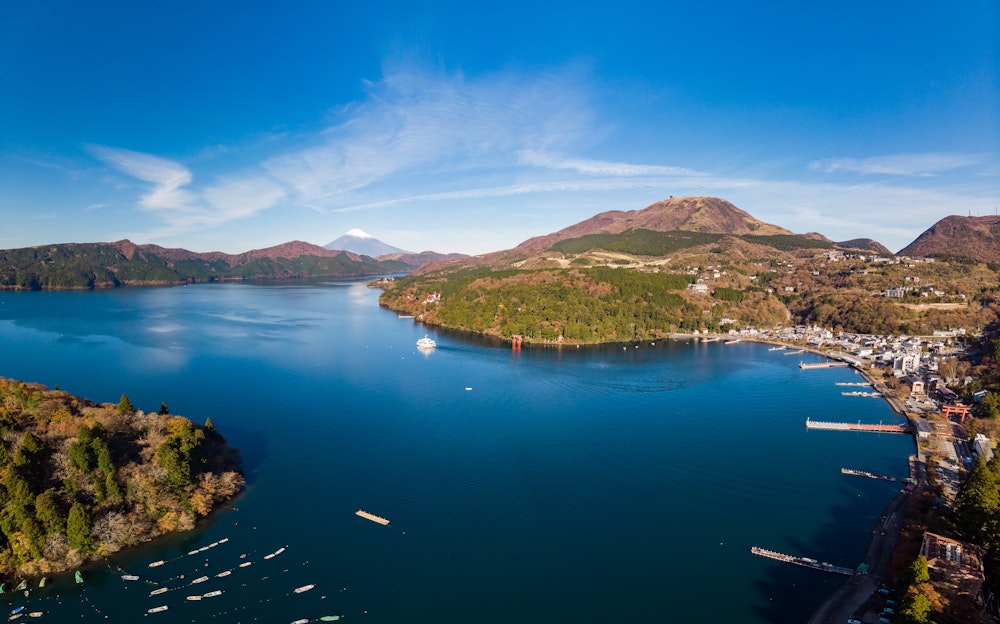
(49, 511)
(915, 608)
(125, 405)
(977, 505)
(78, 529)
(33, 532)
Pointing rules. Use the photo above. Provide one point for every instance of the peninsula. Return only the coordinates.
(81, 480)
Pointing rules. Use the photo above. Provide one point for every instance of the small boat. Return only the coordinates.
(303, 589)
(129, 577)
(36, 614)
(212, 594)
(275, 553)
(17, 610)
(200, 579)
(193, 552)
(161, 590)
(42, 582)
(246, 564)
(426, 343)
(159, 609)
(156, 564)
(223, 540)
(78, 577)
(302, 621)
(329, 618)
(2, 587)
(226, 573)
(196, 597)
(16, 616)
(23, 585)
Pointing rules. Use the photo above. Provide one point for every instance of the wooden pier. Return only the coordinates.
(802, 561)
(372, 517)
(805, 366)
(865, 473)
(841, 426)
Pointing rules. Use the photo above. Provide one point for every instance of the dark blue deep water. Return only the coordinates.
(546, 486)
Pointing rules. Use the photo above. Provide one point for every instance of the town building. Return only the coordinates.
(959, 563)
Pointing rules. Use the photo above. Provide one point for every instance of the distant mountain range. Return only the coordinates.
(360, 242)
(708, 219)
(661, 228)
(123, 263)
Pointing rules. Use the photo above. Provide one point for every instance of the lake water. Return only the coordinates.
(541, 486)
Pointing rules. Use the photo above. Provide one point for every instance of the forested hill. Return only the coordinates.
(80, 480)
(108, 265)
(643, 284)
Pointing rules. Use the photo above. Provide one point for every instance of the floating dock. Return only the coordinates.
(794, 352)
(865, 473)
(839, 426)
(805, 366)
(859, 384)
(372, 517)
(858, 393)
(802, 561)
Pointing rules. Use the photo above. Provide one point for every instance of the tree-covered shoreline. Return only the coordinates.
(84, 266)
(81, 480)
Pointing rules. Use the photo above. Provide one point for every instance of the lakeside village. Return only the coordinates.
(916, 375)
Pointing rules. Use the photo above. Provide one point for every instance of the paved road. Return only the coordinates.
(847, 600)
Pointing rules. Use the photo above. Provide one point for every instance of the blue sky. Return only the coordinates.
(450, 126)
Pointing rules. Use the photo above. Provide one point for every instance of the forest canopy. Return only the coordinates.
(79, 480)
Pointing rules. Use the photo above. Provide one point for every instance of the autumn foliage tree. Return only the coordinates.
(81, 480)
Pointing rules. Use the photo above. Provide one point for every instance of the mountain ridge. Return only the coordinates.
(710, 215)
(972, 237)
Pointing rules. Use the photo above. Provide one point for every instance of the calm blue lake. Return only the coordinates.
(576, 485)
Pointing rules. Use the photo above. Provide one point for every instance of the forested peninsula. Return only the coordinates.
(81, 480)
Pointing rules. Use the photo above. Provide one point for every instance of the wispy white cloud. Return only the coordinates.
(180, 208)
(418, 123)
(599, 167)
(167, 178)
(922, 165)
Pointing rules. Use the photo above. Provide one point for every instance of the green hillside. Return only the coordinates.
(104, 265)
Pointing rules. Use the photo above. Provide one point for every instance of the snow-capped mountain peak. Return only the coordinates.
(361, 242)
(358, 233)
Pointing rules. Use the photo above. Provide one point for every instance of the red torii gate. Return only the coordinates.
(957, 410)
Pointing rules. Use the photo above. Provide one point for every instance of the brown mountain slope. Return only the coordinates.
(419, 259)
(865, 244)
(972, 237)
(290, 250)
(694, 214)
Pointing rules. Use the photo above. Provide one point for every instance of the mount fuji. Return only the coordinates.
(363, 243)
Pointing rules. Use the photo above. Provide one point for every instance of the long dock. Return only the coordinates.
(865, 473)
(842, 426)
(372, 517)
(802, 561)
(805, 366)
